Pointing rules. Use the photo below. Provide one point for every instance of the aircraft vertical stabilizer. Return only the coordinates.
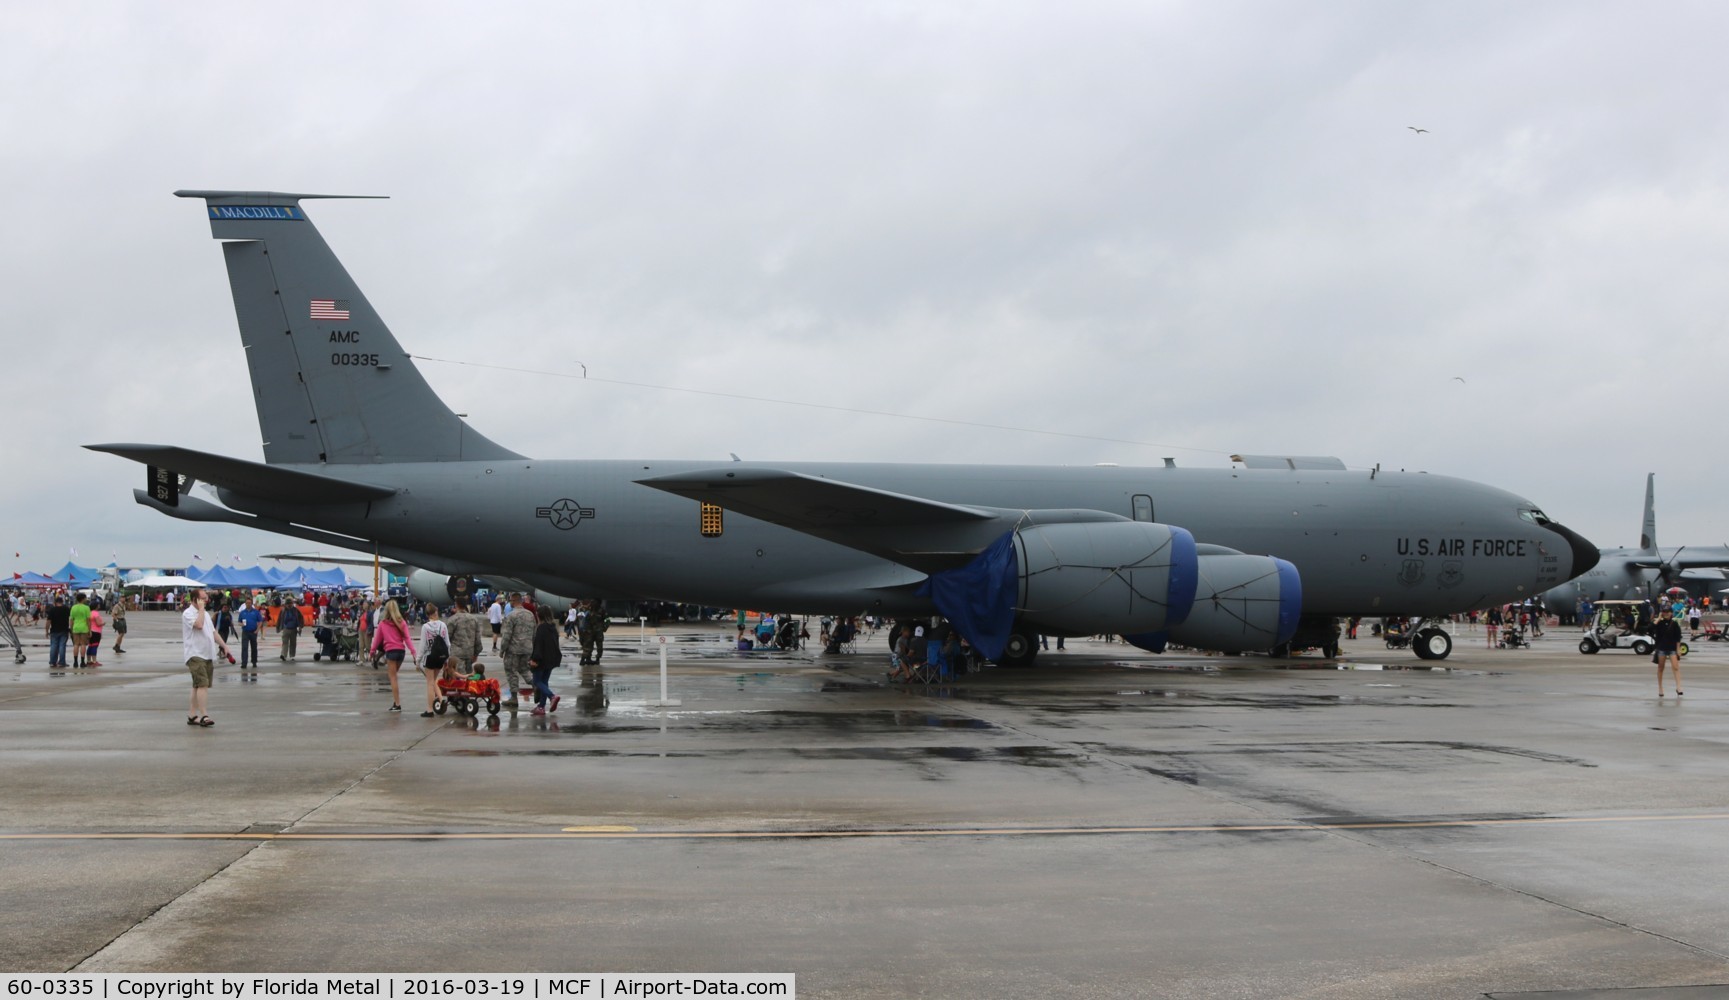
(331, 384)
(1648, 531)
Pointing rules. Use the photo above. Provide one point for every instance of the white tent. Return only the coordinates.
(163, 582)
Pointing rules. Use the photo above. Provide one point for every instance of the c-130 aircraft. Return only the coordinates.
(359, 452)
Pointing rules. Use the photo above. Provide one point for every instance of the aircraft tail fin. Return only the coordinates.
(330, 382)
(1648, 531)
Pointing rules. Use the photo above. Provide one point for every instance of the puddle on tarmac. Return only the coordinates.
(1026, 756)
(1367, 755)
(852, 724)
(1175, 668)
(1424, 667)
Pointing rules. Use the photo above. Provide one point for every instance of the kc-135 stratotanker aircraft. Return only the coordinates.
(359, 452)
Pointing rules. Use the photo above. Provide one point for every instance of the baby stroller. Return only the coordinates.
(1398, 634)
(1513, 637)
(336, 642)
(788, 635)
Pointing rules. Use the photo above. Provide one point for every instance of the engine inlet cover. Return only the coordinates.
(1110, 577)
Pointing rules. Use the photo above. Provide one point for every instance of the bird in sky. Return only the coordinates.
(1458, 379)
(1416, 129)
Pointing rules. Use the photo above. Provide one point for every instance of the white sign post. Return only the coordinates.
(663, 701)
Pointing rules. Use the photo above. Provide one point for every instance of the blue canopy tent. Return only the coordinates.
(216, 576)
(317, 579)
(252, 576)
(74, 575)
(31, 580)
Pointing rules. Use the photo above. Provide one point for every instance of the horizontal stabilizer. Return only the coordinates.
(253, 479)
(808, 503)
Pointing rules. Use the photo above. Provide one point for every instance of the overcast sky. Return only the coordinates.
(1204, 227)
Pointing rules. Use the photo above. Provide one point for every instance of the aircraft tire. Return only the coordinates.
(1022, 649)
(1432, 644)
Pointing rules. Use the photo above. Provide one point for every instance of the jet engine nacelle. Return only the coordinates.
(1242, 603)
(445, 590)
(439, 588)
(1105, 577)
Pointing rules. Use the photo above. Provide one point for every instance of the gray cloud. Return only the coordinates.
(1203, 226)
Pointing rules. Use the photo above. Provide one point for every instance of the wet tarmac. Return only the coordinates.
(1107, 824)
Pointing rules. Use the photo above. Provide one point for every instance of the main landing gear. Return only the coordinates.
(1021, 650)
(1431, 641)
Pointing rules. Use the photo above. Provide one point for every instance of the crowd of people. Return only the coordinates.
(450, 640)
(74, 624)
(449, 647)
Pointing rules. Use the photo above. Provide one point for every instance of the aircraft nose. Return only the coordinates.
(1585, 555)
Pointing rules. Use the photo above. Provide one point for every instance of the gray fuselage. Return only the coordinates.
(1381, 544)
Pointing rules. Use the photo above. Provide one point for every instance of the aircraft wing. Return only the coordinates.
(807, 503)
(1688, 557)
(928, 535)
(395, 566)
(250, 478)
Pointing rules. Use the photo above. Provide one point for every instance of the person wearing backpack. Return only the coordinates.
(435, 652)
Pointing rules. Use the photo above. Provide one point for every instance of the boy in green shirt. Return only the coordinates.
(80, 631)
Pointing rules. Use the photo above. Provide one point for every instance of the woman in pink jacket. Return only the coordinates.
(392, 636)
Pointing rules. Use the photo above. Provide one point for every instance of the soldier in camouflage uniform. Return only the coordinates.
(516, 644)
(465, 628)
(591, 626)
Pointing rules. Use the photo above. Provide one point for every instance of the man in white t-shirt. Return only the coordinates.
(199, 642)
(495, 615)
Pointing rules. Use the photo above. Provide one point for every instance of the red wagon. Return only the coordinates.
(468, 694)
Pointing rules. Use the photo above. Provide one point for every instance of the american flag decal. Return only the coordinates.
(330, 309)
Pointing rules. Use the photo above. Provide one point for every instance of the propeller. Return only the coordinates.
(1665, 573)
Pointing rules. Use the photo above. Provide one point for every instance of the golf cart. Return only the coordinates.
(1621, 625)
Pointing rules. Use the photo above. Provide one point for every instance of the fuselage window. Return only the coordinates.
(1143, 507)
(710, 521)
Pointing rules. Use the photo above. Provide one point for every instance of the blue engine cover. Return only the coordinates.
(1071, 578)
(1243, 603)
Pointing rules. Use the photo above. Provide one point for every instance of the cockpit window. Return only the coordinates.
(1535, 516)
